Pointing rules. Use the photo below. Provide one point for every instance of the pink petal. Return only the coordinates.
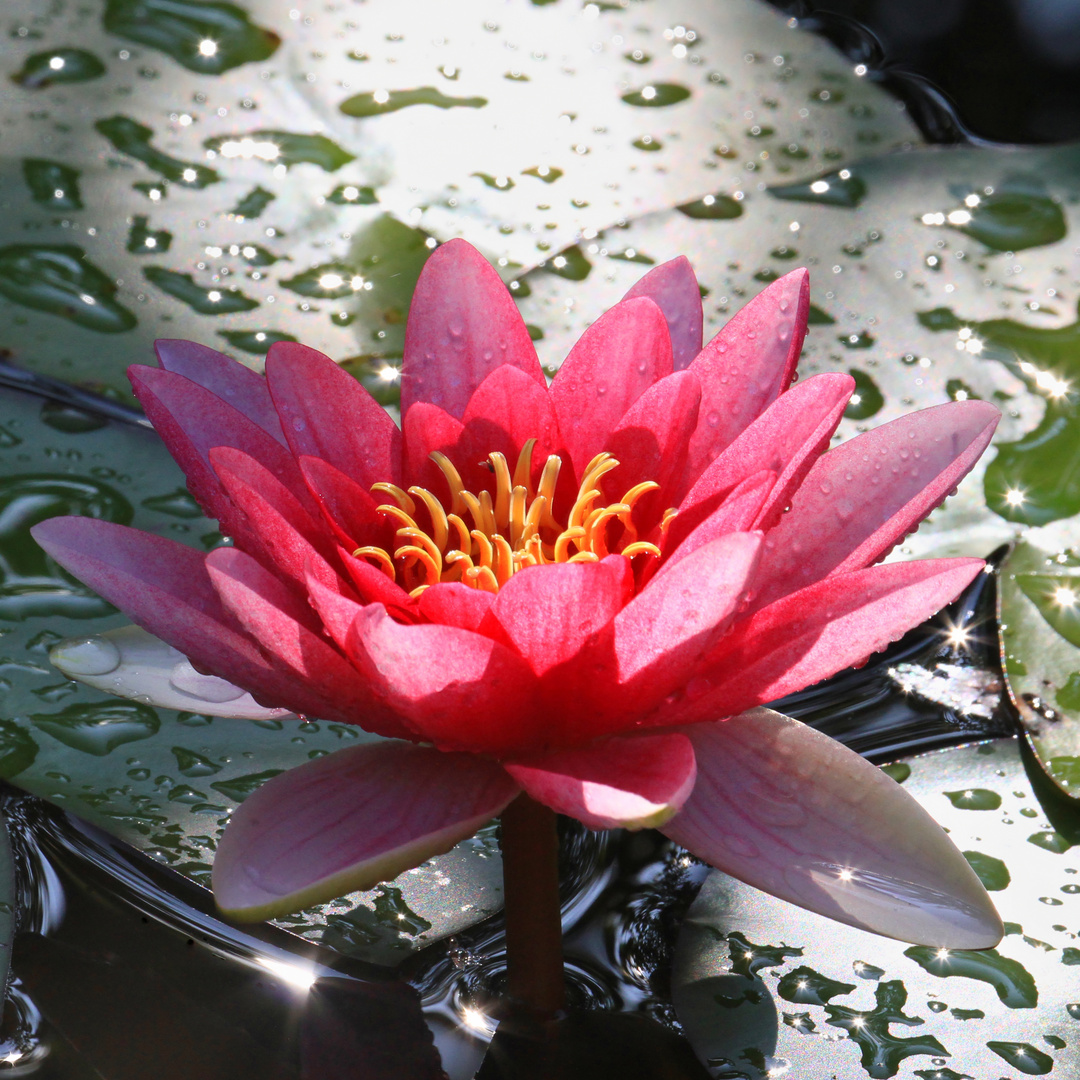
(165, 588)
(548, 613)
(747, 366)
(191, 420)
(425, 428)
(674, 287)
(285, 533)
(374, 587)
(786, 439)
(286, 629)
(348, 821)
(463, 324)
(790, 811)
(232, 381)
(336, 611)
(664, 633)
(867, 494)
(814, 633)
(454, 604)
(327, 414)
(617, 359)
(649, 442)
(350, 511)
(457, 689)
(633, 783)
(736, 514)
(506, 411)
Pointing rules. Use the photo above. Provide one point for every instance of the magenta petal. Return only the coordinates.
(191, 420)
(736, 514)
(747, 366)
(786, 439)
(547, 613)
(454, 604)
(664, 633)
(790, 811)
(287, 629)
(649, 442)
(673, 286)
(348, 821)
(460, 690)
(425, 428)
(616, 360)
(463, 324)
(814, 633)
(350, 510)
(633, 783)
(327, 414)
(232, 381)
(867, 494)
(165, 588)
(286, 535)
(506, 411)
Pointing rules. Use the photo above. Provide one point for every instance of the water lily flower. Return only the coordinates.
(584, 590)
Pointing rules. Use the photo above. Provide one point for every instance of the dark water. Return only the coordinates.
(1000, 70)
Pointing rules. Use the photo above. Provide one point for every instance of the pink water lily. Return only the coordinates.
(584, 591)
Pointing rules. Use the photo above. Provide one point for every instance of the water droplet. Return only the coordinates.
(85, 656)
(208, 687)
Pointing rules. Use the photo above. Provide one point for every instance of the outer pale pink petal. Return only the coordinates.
(869, 493)
(463, 324)
(649, 442)
(818, 631)
(348, 821)
(747, 366)
(459, 690)
(190, 419)
(790, 811)
(632, 783)
(165, 588)
(667, 630)
(286, 534)
(674, 287)
(350, 510)
(287, 629)
(327, 414)
(232, 381)
(506, 411)
(454, 604)
(786, 439)
(617, 359)
(736, 514)
(547, 613)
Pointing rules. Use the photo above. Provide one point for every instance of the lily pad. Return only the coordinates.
(207, 129)
(923, 1007)
(1040, 645)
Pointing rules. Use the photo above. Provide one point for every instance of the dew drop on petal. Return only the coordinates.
(208, 687)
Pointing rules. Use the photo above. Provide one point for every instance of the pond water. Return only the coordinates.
(242, 175)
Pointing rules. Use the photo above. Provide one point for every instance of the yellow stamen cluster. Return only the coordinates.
(505, 532)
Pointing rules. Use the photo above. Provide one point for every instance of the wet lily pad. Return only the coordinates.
(924, 1012)
(1040, 645)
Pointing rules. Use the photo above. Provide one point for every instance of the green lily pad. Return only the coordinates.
(1040, 645)
(922, 1006)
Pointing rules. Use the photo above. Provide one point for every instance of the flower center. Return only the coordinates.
(482, 540)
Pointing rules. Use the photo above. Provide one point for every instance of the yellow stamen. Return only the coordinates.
(512, 524)
(399, 496)
(523, 468)
(386, 564)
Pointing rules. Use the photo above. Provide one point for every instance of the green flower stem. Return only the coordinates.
(534, 957)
